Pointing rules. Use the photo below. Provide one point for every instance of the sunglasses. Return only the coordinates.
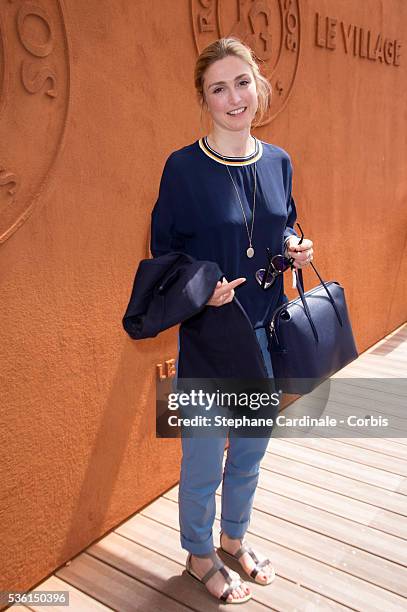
(276, 265)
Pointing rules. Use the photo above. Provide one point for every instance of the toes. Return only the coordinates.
(233, 595)
(240, 592)
(266, 573)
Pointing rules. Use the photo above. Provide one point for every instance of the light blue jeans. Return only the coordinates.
(202, 472)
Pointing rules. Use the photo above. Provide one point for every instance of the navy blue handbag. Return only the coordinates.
(311, 338)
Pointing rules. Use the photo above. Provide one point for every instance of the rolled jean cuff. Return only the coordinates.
(234, 530)
(197, 548)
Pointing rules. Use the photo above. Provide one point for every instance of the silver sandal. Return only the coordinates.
(244, 548)
(218, 566)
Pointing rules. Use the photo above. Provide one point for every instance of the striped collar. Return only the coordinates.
(231, 161)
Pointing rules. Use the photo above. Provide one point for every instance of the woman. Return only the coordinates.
(227, 198)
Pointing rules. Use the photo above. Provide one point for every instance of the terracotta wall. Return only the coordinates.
(93, 97)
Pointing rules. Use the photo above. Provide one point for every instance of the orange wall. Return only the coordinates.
(81, 153)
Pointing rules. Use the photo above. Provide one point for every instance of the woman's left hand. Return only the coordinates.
(301, 253)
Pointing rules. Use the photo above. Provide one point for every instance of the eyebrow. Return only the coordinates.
(224, 82)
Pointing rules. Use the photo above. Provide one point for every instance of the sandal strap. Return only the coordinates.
(246, 549)
(217, 566)
(258, 567)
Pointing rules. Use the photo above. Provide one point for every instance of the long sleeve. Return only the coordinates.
(164, 238)
(291, 209)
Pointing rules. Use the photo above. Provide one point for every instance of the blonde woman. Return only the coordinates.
(227, 198)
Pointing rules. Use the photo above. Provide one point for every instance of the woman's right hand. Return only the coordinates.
(224, 292)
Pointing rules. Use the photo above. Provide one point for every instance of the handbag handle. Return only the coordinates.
(300, 288)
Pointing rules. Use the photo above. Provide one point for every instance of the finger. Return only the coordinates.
(302, 264)
(229, 297)
(224, 298)
(303, 255)
(230, 286)
(304, 246)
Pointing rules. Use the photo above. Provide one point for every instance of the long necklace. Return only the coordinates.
(250, 249)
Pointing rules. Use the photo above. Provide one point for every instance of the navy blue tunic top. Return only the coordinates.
(198, 212)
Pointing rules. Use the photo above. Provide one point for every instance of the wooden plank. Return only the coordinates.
(78, 601)
(388, 348)
(319, 521)
(341, 587)
(350, 448)
(284, 594)
(328, 481)
(375, 361)
(159, 571)
(336, 465)
(385, 448)
(366, 566)
(401, 441)
(389, 386)
(367, 393)
(337, 504)
(115, 589)
(373, 369)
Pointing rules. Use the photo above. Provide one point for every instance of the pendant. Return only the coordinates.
(250, 252)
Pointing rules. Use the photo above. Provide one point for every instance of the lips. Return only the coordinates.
(237, 111)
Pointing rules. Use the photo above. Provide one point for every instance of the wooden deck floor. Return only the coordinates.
(330, 513)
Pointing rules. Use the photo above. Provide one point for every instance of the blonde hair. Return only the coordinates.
(233, 46)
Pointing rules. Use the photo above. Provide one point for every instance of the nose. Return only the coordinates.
(234, 96)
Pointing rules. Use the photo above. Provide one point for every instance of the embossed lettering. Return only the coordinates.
(170, 368)
(205, 20)
(291, 23)
(397, 52)
(168, 372)
(365, 43)
(10, 179)
(319, 28)
(39, 59)
(279, 87)
(325, 32)
(362, 43)
(35, 82)
(370, 50)
(347, 35)
(331, 33)
(378, 50)
(205, 23)
(29, 9)
(260, 8)
(388, 51)
(160, 372)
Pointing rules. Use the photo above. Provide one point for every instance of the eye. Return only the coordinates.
(244, 83)
(217, 90)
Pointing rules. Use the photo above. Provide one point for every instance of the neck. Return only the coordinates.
(231, 144)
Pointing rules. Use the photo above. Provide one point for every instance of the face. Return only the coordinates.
(230, 93)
